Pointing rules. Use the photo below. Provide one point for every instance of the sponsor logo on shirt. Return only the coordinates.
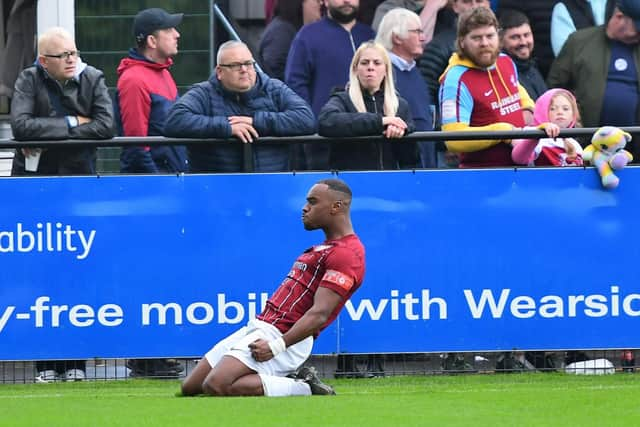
(507, 105)
(338, 278)
(300, 265)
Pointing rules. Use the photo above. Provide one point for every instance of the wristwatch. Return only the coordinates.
(72, 121)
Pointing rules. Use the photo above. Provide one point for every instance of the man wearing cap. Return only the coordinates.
(146, 92)
(600, 66)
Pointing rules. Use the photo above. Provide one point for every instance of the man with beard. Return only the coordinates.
(516, 39)
(480, 92)
(437, 52)
(319, 61)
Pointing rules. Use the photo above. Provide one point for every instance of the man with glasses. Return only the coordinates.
(146, 92)
(59, 97)
(237, 101)
(400, 32)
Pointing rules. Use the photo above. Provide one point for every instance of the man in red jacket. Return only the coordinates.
(146, 92)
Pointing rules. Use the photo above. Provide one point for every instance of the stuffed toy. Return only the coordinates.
(606, 152)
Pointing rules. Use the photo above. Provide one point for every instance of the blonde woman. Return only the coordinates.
(369, 106)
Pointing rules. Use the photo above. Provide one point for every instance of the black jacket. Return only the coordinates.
(530, 77)
(39, 108)
(435, 58)
(339, 118)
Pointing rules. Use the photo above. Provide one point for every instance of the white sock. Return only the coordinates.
(281, 386)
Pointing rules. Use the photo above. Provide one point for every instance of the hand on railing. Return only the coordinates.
(395, 127)
(242, 128)
(551, 129)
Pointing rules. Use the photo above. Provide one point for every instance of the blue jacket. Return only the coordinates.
(320, 57)
(204, 110)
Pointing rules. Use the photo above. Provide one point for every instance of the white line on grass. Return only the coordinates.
(482, 390)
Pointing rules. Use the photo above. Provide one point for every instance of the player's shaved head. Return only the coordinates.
(327, 208)
(337, 185)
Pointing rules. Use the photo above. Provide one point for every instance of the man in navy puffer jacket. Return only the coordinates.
(240, 102)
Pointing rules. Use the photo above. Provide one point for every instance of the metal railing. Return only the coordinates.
(432, 136)
(416, 136)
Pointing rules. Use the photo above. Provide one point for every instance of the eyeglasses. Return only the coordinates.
(237, 66)
(418, 31)
(65, 55)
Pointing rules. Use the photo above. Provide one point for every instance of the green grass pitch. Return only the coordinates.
(464, 400)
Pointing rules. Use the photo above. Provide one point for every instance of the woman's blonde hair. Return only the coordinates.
(355, 91)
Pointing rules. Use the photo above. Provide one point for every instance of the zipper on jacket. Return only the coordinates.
(378, 144)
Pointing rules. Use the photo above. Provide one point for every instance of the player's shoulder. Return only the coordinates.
(346, 241)
(347, 247)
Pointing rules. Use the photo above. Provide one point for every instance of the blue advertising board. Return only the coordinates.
(457, 260)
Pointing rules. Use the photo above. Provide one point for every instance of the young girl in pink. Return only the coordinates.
(555, 109)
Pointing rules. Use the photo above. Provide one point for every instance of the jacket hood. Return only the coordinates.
(541, 112)
(80, 67)
(135, 59)
(456, 60)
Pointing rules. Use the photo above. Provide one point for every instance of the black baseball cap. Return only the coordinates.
(149, 20)
(630, 8)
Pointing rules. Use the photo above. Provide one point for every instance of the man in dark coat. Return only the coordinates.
(59, 97)
(239, 102)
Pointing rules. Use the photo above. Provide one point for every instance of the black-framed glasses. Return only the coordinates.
(237, 66)
(66, 54)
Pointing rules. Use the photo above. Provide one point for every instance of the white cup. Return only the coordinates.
(31, 161)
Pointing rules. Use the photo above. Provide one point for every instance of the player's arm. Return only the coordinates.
(324, 303)
(337, 284)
